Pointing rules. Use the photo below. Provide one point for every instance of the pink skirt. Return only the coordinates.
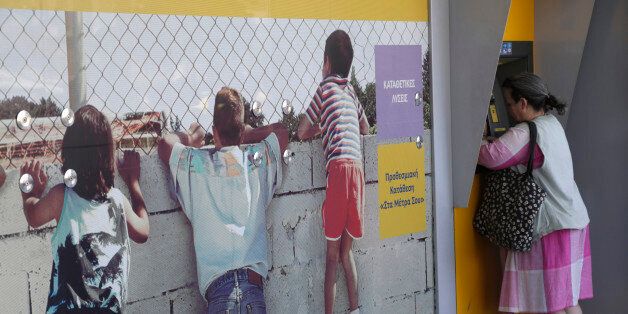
(552, 276)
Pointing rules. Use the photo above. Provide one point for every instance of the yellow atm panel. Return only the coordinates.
(478, 267)
(478, 270)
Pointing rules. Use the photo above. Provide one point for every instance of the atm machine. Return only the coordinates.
(514, 57)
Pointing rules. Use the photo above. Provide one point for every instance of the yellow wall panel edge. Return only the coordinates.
(520, 23)
(391, 10)
(477, 261)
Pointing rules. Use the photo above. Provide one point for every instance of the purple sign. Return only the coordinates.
(399, 84)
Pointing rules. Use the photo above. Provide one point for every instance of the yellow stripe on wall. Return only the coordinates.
(390, 10)
(520, 23)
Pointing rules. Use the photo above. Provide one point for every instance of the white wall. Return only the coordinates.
(394, 274)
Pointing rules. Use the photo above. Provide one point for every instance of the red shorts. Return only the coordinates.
(343, 208)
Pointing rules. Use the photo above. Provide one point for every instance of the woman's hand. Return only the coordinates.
(40, 179)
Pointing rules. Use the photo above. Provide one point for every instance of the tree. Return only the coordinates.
(427, 90)
(367, 98)
(175, 123)
(250, 118)
(291, 121)
(9, 107)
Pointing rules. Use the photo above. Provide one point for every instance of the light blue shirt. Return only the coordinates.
(225, 196)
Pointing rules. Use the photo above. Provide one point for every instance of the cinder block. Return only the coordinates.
(289, 290)
(25, 253)
(304, 282)
(427, 145)
(425, 302)
(429, 262)
(14, 293)
(282, 235)
(422, 264)
(399, 304)
(428, 207)
(166, 261)
(392, 271)
(155, 184)
(157, 305)
(369, 150)
(309, 239)
(187, 300)
(285, 216)
(39, 282)
(29, 255)
(319, 165)
(297, 176)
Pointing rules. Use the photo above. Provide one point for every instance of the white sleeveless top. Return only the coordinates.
(90, 249)
(563, 207)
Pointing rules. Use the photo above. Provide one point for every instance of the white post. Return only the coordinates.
(442, 158)
(76, 68)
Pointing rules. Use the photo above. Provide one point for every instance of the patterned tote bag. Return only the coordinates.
(510, 204)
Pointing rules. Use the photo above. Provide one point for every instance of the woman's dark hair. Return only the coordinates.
(339, 51)
(533, 89)
(88, 149)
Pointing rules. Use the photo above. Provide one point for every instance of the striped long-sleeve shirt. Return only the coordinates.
(337, 109)
(510, 149)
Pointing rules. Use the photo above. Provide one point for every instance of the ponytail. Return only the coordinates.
(551, 102)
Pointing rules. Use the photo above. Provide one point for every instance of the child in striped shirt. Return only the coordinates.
(336, 113)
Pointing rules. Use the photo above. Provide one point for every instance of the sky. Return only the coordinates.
(176, 64)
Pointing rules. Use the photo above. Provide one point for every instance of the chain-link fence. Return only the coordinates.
(156, 73)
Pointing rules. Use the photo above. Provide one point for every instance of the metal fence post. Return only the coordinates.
(76, 68)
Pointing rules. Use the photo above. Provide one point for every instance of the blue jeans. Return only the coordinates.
(232, 293)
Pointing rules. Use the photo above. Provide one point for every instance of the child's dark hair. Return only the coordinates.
(229, 116)
(88, 149)
(533, 89)
(339, 52)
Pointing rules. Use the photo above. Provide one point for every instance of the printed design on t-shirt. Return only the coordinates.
(91, 273)
(233, 168)
(196, 162)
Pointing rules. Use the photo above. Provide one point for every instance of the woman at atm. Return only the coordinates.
(556, 273)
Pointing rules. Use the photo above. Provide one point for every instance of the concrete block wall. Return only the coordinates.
(394, 274)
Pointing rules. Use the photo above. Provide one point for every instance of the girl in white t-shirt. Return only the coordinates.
(94, 220)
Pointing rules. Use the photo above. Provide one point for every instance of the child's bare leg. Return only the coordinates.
(348, 264)
(331, 264)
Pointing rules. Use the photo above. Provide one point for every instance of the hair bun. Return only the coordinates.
(551, 102)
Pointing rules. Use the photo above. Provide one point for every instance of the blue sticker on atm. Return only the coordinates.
(506, 49)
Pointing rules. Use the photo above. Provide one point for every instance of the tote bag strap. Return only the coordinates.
(531, 146)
